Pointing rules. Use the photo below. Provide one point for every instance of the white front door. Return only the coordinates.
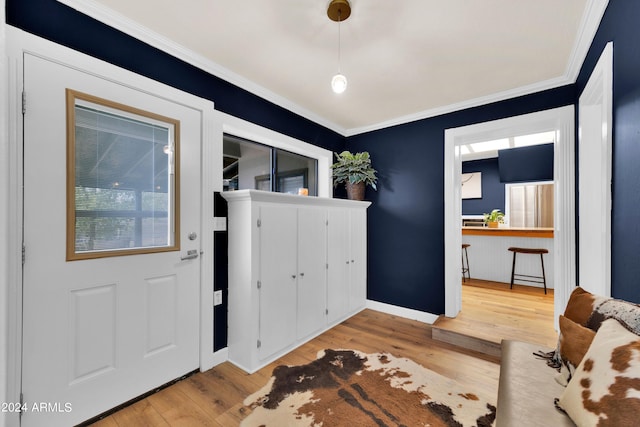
(111, 308)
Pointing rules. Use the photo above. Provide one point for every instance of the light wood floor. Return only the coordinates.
(214, 398)
(492, 312)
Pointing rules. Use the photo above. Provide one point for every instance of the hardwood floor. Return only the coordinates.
(492, 312)
(215, 398)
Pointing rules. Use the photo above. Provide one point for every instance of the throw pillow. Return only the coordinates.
(581, 304)
(574, 341)
(605, 389)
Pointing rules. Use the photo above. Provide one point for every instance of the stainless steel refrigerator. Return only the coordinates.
(531, 205)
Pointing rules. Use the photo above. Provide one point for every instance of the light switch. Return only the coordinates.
(217, 298)
(219, 223)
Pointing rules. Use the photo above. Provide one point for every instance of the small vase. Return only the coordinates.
(492, 224)
(355, 191)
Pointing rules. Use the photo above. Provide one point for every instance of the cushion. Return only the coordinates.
(623, 311)
(605, 389)
(581, 304)
(574, 341)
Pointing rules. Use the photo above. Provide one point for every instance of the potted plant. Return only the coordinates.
(355, 171)
(494, 218)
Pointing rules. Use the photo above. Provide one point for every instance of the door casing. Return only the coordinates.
(560, 120)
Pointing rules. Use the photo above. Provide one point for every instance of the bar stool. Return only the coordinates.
(465, 266)
(525, 277)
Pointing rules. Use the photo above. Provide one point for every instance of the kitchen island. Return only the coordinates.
(490, 259)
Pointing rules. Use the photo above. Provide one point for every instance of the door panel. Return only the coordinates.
(278, 250)
(338, 273)
(312, 271)
(358, 266)
(99, 332)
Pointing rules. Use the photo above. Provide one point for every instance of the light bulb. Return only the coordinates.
(339, 83)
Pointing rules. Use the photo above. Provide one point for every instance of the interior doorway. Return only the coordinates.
(560, 121)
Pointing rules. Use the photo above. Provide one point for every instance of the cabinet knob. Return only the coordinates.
(293, 276)
(301, 274)
(352, 261)
(347, 262)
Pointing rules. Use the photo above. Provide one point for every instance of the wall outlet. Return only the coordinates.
(217, 298)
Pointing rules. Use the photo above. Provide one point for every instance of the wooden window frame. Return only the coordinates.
(71, 254)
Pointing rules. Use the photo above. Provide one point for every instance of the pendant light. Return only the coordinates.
(338, 11)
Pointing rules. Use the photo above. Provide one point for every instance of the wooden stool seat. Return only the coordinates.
(465, 266)
(528, 250)
(525, 277)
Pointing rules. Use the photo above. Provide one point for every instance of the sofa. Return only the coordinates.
(591, 378)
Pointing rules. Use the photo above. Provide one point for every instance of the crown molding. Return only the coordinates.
(476, 102)
(594, 11)
(120, 22)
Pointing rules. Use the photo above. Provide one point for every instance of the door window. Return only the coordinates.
(122, 176)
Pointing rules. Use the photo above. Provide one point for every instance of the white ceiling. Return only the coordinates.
(404, 59)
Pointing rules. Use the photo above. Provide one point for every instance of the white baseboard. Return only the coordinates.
(214, 359)
(407, 313)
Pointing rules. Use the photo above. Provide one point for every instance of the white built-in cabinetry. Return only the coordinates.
(297, 266)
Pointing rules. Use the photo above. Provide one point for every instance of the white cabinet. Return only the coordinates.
(312, 271)
(347, 262)
(277, 236)
(294, 271)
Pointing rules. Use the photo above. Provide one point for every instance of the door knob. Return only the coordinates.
(193, 235)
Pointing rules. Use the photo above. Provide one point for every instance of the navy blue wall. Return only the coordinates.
(534, 163)
(521, 164)
(61, 24)
(406, 223)
(620, 25)
(492, 189)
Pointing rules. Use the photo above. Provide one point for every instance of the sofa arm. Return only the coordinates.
(527, 388)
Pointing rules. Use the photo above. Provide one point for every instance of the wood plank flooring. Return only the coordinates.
(492, 312)
(215, 398)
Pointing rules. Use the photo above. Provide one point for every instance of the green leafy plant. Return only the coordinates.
(494, 216)
(354, 168)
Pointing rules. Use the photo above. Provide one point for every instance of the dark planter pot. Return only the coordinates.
(355, 191)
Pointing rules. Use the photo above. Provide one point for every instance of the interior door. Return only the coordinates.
(101, 325)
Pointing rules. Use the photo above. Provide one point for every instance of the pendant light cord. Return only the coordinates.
(339, 39)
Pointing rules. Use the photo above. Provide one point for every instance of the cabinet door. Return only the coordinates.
(358, 258)
(312, 271)
(338, 260)
(278, 241)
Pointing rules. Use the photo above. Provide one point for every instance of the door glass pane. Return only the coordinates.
(121, 181)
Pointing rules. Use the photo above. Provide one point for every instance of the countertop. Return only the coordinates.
(543, 232)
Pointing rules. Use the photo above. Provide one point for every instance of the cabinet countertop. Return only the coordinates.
(544, 232)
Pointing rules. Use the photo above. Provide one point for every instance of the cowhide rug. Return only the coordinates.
(349, 388)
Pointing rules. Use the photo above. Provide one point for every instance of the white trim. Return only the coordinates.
(407, 313)
(562, 121)
(594, 10)
(120, 22)
(595, 142)
(250, 131)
